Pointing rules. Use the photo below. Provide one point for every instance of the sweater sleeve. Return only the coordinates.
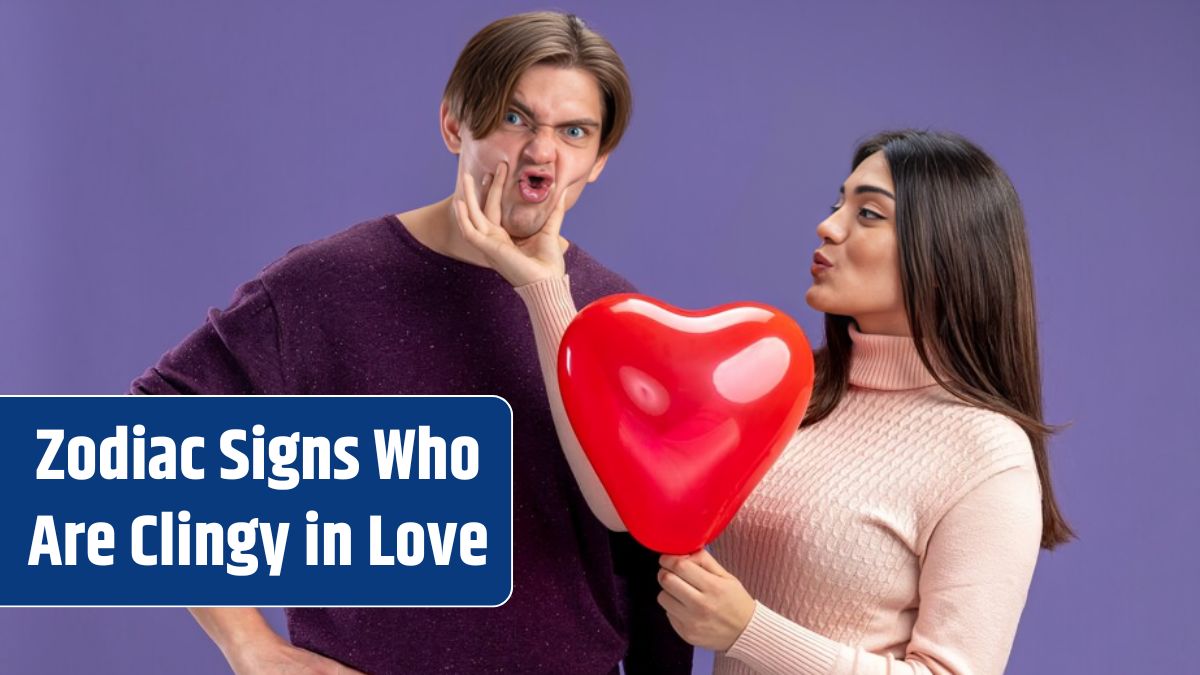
(236, 351)
(551, 309)
(973, 584)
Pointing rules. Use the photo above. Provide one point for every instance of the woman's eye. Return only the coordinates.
(512, 117)
(869, 214)
(834, 208)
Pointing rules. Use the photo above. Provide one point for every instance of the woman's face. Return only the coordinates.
(856, 271)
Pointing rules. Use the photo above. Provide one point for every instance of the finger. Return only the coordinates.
(479, 220)
(465, 225)
(706, 561)
(554, 223)
(491, 205)
(695, 575)
(462, 218)
(468, 188)
(678, 588)
(670, 604)
(671, 562)
(678, 626)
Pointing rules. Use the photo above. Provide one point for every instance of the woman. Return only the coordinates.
(898, 531)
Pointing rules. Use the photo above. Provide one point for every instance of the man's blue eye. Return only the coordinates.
(575, 132)
(512, 118)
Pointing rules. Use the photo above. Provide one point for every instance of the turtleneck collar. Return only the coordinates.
(886, 362)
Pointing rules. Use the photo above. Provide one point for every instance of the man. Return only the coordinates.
(404, 305)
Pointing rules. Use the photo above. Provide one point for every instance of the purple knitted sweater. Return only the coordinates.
(373, 311)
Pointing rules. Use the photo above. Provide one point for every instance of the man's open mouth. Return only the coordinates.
(535, 186)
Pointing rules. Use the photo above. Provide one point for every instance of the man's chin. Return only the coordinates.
(521, 228)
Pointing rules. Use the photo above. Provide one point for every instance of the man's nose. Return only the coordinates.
(541, 149)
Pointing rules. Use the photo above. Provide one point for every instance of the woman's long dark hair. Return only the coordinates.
(968, 291)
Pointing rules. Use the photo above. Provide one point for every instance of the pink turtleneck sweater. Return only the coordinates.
(898, 535)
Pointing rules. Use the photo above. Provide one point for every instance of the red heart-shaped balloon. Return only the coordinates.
(682, 412)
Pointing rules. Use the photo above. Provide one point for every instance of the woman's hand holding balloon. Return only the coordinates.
(706, 605)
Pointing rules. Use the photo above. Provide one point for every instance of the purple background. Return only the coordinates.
(153, 155)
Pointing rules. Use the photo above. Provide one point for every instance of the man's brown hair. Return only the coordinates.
(487, 71)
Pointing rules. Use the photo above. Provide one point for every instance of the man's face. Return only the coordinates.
(550, 139)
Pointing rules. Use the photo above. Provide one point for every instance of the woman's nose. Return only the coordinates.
(831, 230)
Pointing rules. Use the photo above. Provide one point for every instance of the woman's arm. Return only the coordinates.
(537, 270)
(972, 588)
(551, 309)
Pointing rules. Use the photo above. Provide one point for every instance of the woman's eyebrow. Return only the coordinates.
(868, 188)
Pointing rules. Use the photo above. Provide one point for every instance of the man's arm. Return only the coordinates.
(236, 351)
(252, 647)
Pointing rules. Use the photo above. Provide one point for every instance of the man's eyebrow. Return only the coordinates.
(524, 110)
(861, 189)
